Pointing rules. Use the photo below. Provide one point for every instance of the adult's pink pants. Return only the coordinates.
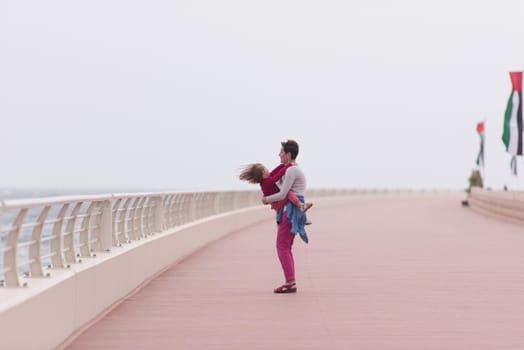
(284, 244)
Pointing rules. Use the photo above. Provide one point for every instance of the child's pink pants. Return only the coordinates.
(284, 244)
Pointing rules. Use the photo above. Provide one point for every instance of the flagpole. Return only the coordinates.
(480, 157)
(483, 172)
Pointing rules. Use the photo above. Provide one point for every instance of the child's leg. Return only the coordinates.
(292, 197)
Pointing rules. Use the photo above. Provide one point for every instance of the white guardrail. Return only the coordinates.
(39, 235)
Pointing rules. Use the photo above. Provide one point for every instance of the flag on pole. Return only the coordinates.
(480, 156)
(512, 134)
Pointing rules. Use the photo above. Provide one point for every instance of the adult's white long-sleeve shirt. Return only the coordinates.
(293, 180)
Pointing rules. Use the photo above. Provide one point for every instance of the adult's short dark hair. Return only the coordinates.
(290, 146)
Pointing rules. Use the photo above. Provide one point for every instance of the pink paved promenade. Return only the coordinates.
(384, 272)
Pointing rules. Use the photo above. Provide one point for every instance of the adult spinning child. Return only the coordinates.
(289, 218)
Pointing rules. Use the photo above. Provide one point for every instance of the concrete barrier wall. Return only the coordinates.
(53, 309)
(508, 205)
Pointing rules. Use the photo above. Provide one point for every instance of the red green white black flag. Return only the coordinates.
(512, 134)
(480, 156)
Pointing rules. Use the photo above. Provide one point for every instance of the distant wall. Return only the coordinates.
(508, 205)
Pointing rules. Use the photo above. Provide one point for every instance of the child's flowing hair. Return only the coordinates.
(252, 173)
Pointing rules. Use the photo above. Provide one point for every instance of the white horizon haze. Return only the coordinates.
(161, 95)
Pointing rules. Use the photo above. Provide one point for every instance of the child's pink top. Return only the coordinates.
(269, 184)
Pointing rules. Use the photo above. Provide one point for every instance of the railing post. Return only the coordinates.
(10, 255)
(135, 229)
(69, 236)
(57, 247)
(34, 249)
(192, 207)
(167, 208)
(158, 214)
(85, 244)
(106, 226)
(146, 215)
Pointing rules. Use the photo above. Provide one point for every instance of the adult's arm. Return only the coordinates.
(289, 179)
(274, 176)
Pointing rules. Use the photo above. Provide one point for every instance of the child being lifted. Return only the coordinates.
(257, 173)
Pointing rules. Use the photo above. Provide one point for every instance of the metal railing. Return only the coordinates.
(37, 235)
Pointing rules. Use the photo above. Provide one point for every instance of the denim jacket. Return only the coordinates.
(296, 217)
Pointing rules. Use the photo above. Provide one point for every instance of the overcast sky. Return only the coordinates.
(170, 95)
